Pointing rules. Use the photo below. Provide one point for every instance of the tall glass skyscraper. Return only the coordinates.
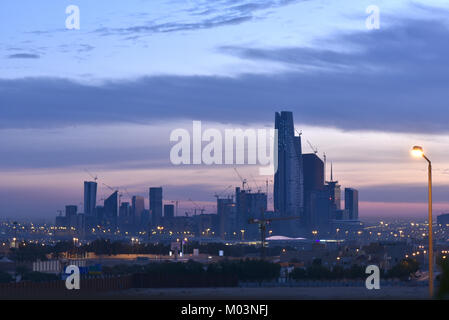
(138, 207)
(288, 179)
(313, 169)
(352, 203)
(90, 197)
(156, 206)
(111, 210)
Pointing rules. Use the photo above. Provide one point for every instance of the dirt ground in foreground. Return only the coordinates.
(280, 293)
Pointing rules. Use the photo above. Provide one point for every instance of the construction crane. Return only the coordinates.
(91, 175)
(202, 209)
(176, 202)
(120, 195)
(267, 182)
(244, 181)
(263, 222)
(127, 192)
(217, 195)
(255, 183)
(112, 189)
(315, 150)
(324, 159)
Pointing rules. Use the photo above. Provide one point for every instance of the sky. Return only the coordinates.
(107, 96)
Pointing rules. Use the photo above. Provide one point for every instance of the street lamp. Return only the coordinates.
(418, 152)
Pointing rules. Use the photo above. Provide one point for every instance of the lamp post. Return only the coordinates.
(418, 151)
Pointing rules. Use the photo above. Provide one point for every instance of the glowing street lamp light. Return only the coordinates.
(418, 152)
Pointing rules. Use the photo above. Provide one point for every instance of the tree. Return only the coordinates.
(249, 270)
(356, 272)
(28, 252)
(22, 270)
(298, 274)
(443, 290)
(39, 276)
(5, 277)
(403, 269)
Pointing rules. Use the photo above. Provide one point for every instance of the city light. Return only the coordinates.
(417, 151)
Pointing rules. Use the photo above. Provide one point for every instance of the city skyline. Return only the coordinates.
(203, 194)
(354, 93)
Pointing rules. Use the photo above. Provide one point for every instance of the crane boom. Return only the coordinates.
(91, 175)
(272, 219)
(244, 181)
(202, 209)
(217, 195)
(110, 187)
(315, 150)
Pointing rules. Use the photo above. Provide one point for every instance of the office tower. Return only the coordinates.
(99, 215)
(204, 224)
(81, 224)
(250, 206)
(322, 208)
(313, 181)
(341, 215)
(145, 220)
(352, 203)
(125, 215)
(61, 221)
(71, 211)
(326, 205)
(111, 210)
(138, 207)
(71, 216)
(288, 179)
(156, 206)
(90, 198)
(334, 191)
(226, 217)
(169, 211)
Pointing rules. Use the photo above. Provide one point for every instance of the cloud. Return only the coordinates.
(173, 27)
(238, 7)
(402, 193)
(23, 56)
(408, 46)
(392, 80)
(206, 15)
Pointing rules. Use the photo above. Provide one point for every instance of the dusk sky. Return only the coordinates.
(106, 97)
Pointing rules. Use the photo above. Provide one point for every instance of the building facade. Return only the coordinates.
(288, 179)
(352, 203)
(156, 206)
(90, 197)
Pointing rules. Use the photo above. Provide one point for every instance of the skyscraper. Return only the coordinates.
(335, 191)
(288, 179)
(124, 215)
(90, 197)
(313, 181)
(326, 205)
(169, 211)
(71, 216)
(111, 210)
(226, 217)
(156, 206)
(352, 203)
(249, 206)
(138, 207)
